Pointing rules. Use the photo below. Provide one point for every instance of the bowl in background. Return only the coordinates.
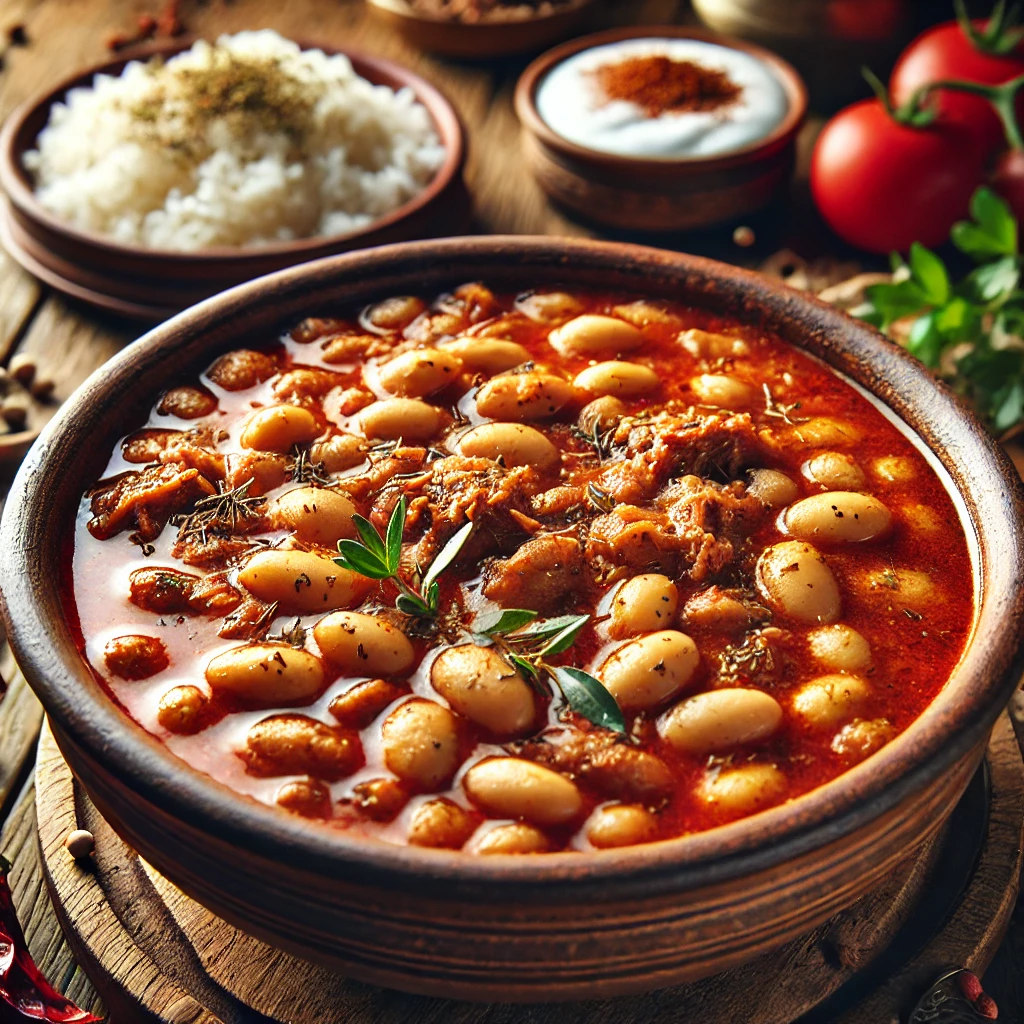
(153, 284)
(659, 193)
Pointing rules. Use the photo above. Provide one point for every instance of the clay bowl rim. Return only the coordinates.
(15, 178)
(401, 9)
(33, 551)
(530, 81)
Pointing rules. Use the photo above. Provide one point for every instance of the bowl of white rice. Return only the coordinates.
(147, 184)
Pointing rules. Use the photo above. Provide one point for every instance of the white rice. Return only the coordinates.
(352, 153)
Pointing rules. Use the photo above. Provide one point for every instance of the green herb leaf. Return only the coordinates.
(433, 597)
(549, 627)
(355, 557)
(524, 666)
(993, 284)
(1008, 406)
(506, 621)
(370, 537)
(929, 273)
(588, 697)
(396, 528)
(895, 301)
(447, 555)
(993, 232)
(412, 605)
(563, 640)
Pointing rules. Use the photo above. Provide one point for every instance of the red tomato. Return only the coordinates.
(881, 185)
(944, 52)
(1008, 180)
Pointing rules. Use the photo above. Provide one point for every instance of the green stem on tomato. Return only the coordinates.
(1002, 97)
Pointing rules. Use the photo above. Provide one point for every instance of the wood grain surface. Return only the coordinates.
(69, 342)
(153, 951)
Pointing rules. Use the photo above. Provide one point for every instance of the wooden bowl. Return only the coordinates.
(481, 40)
(153, 284)
(560, 926)
(650, 193)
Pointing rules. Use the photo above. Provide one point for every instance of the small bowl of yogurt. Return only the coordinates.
(660, 129)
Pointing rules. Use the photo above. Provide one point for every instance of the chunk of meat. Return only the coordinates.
(212, 552)
(187, 403)
(170, 592)
(492, 497)
(265, 470)
(135, 656)
(565, 502)
(605, 761)
(185, 453)
(405, 462)
(669, 444)
(380, 799)
(241, 369)
(304, 384)
(640, 539)
(543, 574)
(146, 445)
(315, 327)
(297, 745)
(249, 620)
(727, 611)
(146, 500)
(347, 348)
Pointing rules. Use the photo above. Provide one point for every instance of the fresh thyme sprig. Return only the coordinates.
(526, 641)
(223, 512)
(378, 558)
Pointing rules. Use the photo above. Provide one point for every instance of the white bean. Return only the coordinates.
(278, 428)
(267, 674)
(647, 672)
(420, 372)
(771, 487)
(828, 701)
(441, 825)
(795, 579)
(479, 684)
(593, 335)
(739, 791)
(601, 414)
(508, 787)
(523, 396)
(721, 391)
(363, 645)
(614, 825)
(487, 355)
(627, 380)
(317, 515)
(421, 744)
(840, 648)
(514, 838)
(400, 419)
(718, 720)
(838, 517)
(301, 581)
(549, 307)
(516, 444)
(643, 604)
(826, 430)
(836, 471)
(707, 345)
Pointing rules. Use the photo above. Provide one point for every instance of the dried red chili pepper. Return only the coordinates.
(25, 995)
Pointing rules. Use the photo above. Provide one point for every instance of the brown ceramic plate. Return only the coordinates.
(152, 284)
(479, 40)
(653, 193)
(565, 925)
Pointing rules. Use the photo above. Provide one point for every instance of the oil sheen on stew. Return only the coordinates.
(776, 582)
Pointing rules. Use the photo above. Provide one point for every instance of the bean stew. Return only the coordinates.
(519, 574)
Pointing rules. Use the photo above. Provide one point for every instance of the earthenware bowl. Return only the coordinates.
(658, 193)
(565, 925)
(152, 284)
(479, 40)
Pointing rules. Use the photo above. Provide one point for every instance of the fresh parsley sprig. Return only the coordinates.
(526, 641)
(379, 558)
(971, 332)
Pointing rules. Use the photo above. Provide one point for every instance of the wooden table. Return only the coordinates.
(69, 341)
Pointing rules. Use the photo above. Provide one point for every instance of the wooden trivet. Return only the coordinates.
(157, 957)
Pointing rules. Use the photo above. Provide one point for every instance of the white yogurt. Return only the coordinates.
(570, 101)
